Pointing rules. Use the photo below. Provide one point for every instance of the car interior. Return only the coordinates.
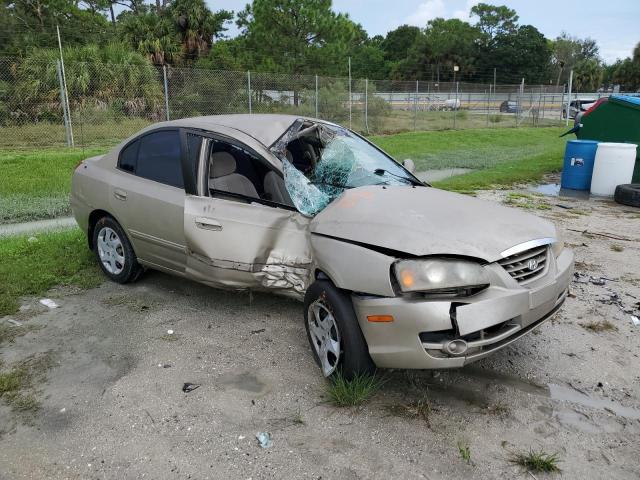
(236, 171)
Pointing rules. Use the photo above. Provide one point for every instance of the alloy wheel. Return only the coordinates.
(111, 251)
(325, 336)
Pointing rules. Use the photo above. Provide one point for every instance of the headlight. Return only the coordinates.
(558, 245)
(440, 275)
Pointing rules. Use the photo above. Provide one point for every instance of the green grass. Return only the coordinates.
(499, 157)
(18, 383)
(420, 409)
(349, 393)
(36, 184)
(523, 170)
(480, 148)
(526, 201)
(93, 133)
(539, 461)
(32, 268)
(465, 452)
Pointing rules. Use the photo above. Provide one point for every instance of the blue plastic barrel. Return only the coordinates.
(579, 157)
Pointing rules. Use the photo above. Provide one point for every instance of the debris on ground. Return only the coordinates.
(264, 439)
(169, 332)
(602, 234)
(47, 302)
(189, 387)
(13, 322)
(635, 320)
(260, 330)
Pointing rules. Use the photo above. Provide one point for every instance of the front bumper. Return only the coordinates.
(429, 333)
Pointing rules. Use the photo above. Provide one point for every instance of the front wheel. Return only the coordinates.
(333, 332)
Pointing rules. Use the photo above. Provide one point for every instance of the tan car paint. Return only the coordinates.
(241, 245)
(427, 221)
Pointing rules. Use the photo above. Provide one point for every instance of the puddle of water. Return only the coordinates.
(560, 392)
(555, 190)
(504, 379)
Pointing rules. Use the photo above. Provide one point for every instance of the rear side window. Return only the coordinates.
(159, 158)
(129, 157)
(156, 156)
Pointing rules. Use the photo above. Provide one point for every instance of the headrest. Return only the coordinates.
(222, 164)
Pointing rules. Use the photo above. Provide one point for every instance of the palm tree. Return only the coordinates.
(197, 26)
(587, 75)
(152, 35)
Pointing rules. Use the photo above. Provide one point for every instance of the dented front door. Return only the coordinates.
(241, 245)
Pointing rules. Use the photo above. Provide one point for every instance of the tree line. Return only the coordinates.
(303, 37)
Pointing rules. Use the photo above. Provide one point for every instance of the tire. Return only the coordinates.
(628, 194)
(114, 252)
(334, 305)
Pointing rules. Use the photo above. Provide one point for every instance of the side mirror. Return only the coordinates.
(409, 165)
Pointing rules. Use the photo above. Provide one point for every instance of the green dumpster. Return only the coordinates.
(614, 119)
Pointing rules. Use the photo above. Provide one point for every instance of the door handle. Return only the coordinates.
(208, 223)
(120, 194)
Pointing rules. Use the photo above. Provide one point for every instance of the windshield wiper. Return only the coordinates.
(382, 171)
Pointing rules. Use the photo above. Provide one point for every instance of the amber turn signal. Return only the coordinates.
(407, 279)
(380, 318)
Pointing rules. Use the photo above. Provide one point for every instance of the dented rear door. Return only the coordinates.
(241, 245)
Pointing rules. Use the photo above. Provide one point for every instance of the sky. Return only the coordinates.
(613, 24)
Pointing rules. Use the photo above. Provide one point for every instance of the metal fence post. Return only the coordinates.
(249, 89)
(415, 106)
(569, 97)
(488, 96)
(64, 83)
(166, 92)
(64, 105)
(455, 107)
(366, 104)
(317, 116)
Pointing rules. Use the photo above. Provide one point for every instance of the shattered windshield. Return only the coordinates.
(320, 161)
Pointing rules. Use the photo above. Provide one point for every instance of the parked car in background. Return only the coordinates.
(393, 273)
(452, 104)
(509, 106)
(577, 106)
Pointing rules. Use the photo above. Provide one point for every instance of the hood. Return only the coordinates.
(426, 221)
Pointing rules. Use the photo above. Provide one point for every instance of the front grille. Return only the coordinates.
(519, 266)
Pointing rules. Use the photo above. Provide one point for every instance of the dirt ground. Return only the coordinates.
(112, 404)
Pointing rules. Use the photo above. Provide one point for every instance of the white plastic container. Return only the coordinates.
(613, 166)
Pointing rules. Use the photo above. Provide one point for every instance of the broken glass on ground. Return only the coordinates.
(264, 439)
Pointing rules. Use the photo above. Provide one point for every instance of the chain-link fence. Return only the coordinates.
(85, 104)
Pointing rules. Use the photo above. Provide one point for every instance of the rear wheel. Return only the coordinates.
(332, 328)
(114, 252)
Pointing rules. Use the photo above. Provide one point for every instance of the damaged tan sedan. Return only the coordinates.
(393, 273)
